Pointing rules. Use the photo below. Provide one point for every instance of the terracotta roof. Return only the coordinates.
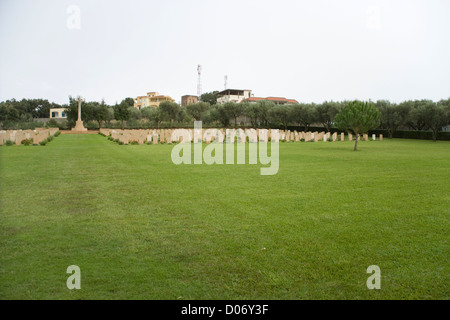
(272, 99)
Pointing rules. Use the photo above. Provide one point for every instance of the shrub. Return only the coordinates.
(133, 124)
(9, 142)
(134, 142)
(27, 142)
(21, 125)
(302, 139)
(52, 123)
(92, 125)
(425, 135)
(119, 142)
(63, 125)
(43, 142)
(57, 133)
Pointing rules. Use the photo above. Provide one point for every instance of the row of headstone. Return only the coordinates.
(156, 136)
(309, 136)
(139, 136)
(18, 136)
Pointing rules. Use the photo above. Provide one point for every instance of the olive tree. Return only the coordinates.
(435, 118)
(304, 114)
(195, 110)
(234, 110)
(169, 111)
(325, 113)
(280, 114)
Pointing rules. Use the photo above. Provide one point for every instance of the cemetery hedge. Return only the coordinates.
(405, 134)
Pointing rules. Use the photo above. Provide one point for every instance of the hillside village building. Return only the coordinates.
(185, 100)
(152, 99)
(276, 100)
(237, 95)
(233, 95)
(58, 113)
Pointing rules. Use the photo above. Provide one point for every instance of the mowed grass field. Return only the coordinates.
(140, 227)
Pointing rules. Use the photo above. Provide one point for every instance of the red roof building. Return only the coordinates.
(276, 100)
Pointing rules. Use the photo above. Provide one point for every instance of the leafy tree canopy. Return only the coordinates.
(358, 117)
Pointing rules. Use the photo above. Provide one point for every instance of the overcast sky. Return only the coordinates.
(311, 51)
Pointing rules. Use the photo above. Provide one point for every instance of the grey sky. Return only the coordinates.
(306, 50)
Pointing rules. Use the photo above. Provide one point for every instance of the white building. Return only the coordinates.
(58, 113)
(233, 95)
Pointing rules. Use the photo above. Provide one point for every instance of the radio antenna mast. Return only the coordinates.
(199, 84)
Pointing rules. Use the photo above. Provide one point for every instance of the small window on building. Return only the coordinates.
(54, 114)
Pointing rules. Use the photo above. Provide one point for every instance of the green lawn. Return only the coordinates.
(140, 227)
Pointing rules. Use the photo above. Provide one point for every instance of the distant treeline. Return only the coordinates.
(412, 115)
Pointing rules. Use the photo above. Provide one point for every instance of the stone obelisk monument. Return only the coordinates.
(79, 124)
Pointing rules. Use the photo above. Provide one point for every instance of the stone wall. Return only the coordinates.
(18, 136)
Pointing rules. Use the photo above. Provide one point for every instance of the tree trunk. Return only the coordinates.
(356, 142)
(391, 133)
(435, 134)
